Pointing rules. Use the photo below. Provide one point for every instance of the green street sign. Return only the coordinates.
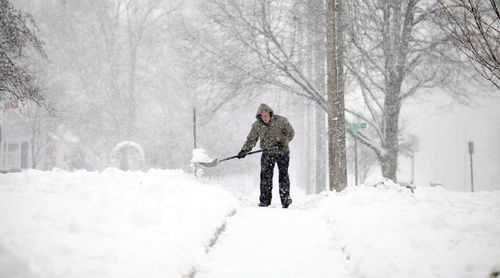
(356, 126)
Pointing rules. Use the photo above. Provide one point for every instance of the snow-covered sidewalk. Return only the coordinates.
(274, 242)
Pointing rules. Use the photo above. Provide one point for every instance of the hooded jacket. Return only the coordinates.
(278, 130)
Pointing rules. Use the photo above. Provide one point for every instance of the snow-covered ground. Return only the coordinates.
(162, 224)
(273, 242)
(386, 231)
(108, 224)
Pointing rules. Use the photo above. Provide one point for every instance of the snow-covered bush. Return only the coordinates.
(127, 155)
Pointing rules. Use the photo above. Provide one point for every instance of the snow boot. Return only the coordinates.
(287, 203)
(263, 205)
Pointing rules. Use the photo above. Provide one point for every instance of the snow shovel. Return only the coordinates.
(216, 161)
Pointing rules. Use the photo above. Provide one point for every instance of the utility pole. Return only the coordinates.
(194, 135)
(412, 167)
(353, 128)
(471, 151)
(355, 160)
(336, 116)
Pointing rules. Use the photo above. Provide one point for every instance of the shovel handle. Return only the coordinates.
(259, 151)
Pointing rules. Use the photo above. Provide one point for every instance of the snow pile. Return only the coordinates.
(108, 224)
(385, 184)
(386, 231)
(129, 144)
(127, 155)
(200, 155)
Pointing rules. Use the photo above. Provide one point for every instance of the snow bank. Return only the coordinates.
(387, 231)
(108, 224)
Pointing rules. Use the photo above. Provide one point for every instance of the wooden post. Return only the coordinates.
(194, 135)
(412, 167)
(336, 118)
(471, 151)
(355, 160)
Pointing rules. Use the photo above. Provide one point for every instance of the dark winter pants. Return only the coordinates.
(267, 162)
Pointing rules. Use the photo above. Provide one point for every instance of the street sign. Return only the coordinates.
(356, 126)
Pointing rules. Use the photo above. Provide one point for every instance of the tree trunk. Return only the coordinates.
(389, 161)
(131, 105)
(320, 124)
(304, 63)
(320, 150)
(309, 149)
(318, 77)
(389, 166)
(307, 58)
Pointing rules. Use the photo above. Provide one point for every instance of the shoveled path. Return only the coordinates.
(274, 242)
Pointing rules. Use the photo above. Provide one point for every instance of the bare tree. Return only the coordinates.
(394, 50)
(474, 27)
(258, 42)
(109, 64)
(18, 34)
(271, 43)
(142, 17)
(393, 54)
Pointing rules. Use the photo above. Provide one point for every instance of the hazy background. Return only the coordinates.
(89, 60)
(444, 129)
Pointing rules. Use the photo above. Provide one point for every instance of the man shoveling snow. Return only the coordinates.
(274, 132)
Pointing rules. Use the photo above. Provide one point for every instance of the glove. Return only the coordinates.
(242, 154)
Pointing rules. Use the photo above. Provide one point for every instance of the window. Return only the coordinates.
(12, 156)
(15, 155)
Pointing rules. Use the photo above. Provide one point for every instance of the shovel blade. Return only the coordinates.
(213, 163)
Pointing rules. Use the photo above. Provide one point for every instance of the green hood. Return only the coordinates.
(279, 130)
(264, 108)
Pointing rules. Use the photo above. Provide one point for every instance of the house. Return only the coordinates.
(15, 139)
